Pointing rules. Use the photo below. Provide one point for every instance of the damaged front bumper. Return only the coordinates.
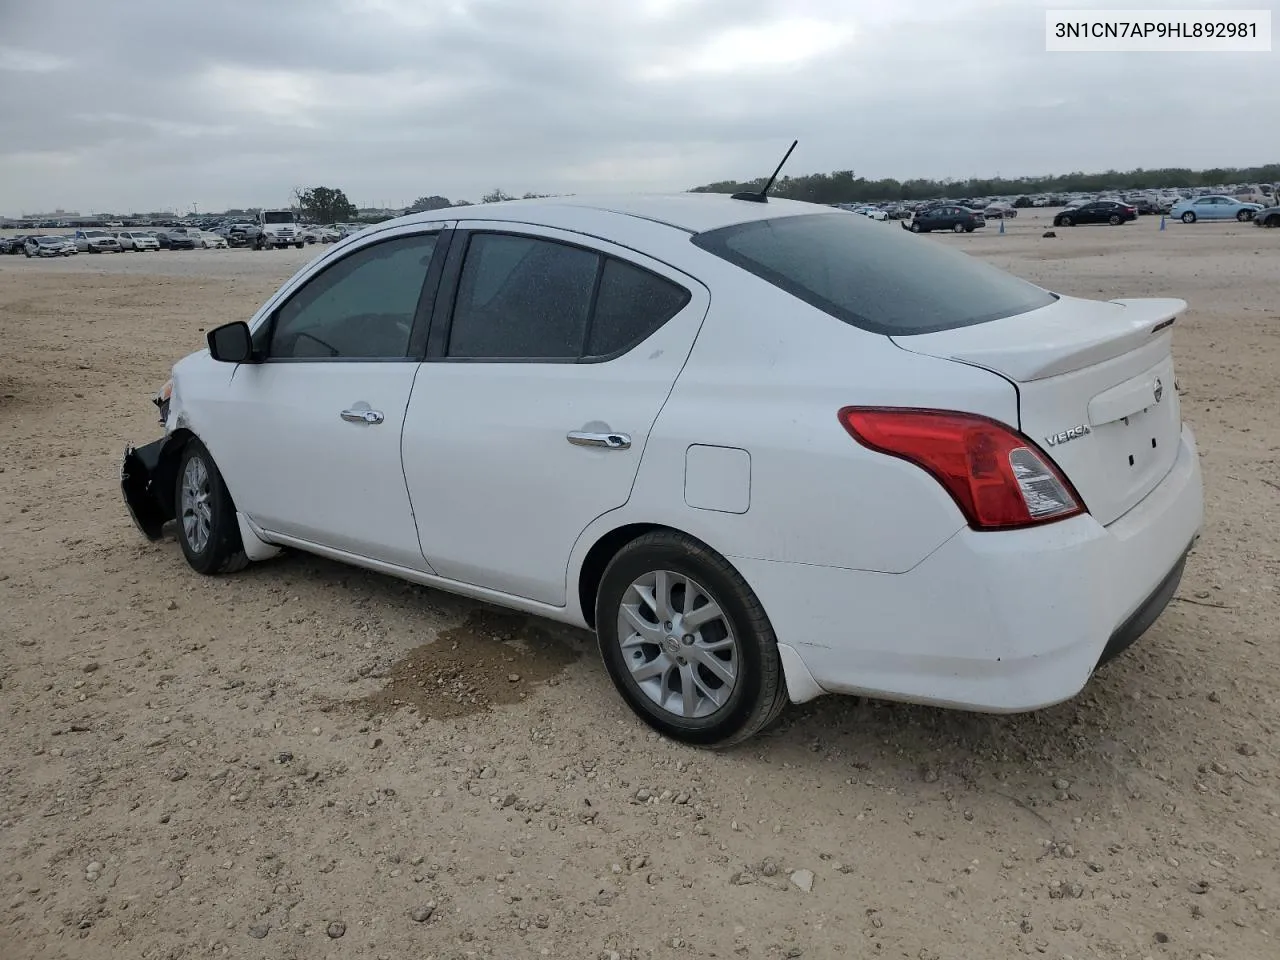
(147, 485)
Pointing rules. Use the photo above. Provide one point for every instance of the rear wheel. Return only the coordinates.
(1188, 217)
(207, 528)
(298, 245)
(687, 643)
(1272, 221)
(958, 228)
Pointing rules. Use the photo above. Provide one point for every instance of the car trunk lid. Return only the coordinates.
(1095, 389)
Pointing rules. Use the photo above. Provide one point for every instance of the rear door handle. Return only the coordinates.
(362, 416)
(609, 441)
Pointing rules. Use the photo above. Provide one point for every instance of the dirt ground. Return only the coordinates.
(309, 761)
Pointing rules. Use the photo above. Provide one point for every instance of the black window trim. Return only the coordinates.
(418, 332)
(447, 296)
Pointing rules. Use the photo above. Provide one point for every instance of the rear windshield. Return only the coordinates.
(872, 275)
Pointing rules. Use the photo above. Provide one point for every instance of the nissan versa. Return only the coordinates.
(764, 449)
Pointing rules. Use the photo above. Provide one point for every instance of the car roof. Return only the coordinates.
(690, 212)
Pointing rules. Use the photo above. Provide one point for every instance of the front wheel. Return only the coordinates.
(915, 228)
(207, 528)
(687, 643)
(1115, 220)
(958, 228)
(1188, 217)
(298, 245)
(1244, 216)
(1066, 222)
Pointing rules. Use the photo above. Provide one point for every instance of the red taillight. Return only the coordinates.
(998, 478)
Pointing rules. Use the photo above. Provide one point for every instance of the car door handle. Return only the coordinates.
(610, 441)
(362, 416)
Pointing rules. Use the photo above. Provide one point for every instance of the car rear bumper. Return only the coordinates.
(991, 621)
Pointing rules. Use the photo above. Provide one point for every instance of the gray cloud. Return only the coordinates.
(151, 104)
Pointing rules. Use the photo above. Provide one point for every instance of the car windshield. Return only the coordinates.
(94, 233)
(47, 241)
(884, 281)
(275, 217)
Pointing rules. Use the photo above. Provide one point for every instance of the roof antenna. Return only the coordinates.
(761, 196)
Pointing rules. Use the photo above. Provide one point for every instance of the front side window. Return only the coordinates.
(522, 298)
(889, 282)
(362, 307)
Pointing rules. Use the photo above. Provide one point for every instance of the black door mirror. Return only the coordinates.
(231, 343)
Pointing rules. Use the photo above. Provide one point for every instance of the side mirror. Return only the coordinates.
(231, 343)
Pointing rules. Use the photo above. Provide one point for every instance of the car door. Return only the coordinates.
(308, 439)
(549, 358)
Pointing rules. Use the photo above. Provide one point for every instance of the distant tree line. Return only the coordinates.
(842, 186)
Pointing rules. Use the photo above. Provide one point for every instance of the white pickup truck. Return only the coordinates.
(278, 228)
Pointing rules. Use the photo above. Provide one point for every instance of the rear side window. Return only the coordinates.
(632, 303)
(522, 298)
(878, 279)
(530, 298)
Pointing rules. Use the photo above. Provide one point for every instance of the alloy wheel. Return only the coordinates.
(678, 644)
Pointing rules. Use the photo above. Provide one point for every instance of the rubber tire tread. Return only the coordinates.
(225, 550)
(772, 698)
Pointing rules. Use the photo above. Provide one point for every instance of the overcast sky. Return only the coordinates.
(162, 104)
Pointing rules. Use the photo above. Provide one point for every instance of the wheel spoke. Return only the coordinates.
(722, 670)
(717, 697)
(695, 619)
(649, 632)
(657, 667)
(662, 595)
(688, 691)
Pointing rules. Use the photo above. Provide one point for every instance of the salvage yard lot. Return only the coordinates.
(307, 760)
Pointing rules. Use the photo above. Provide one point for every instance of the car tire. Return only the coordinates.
(298, 245)
(958, 228)
(1188, 217)
(1066, 222)
(1272, 221)
(208, 531)
(1244, 216)
(915, 228)
(27, 253)
(689, 569)
(1115, 220)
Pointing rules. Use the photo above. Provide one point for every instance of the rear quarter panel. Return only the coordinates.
(768, 374)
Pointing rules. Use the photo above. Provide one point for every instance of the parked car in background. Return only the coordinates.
(137, 240)
(96, 241)
(946, 217)
(999, 211)
(1267, 217)
(1113, 212)
(1144, 205)
(212, 241)
(1214, 207)
(176, 238)
(48, 247)
(13, 245)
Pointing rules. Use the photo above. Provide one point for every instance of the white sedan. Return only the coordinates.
(765, 450)
(212, 241)
(137, 240)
